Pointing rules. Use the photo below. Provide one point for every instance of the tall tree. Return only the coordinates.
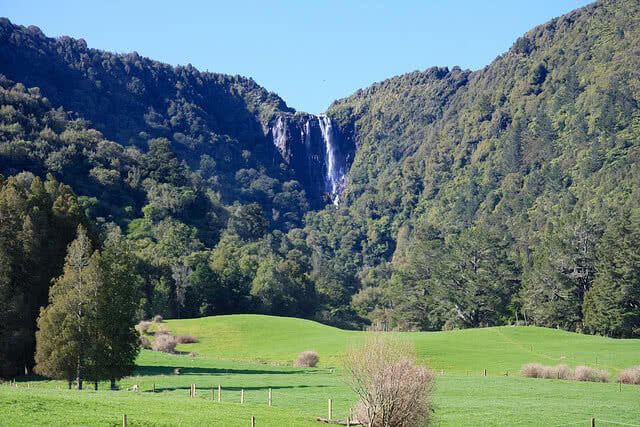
(37, 222)
(562, 271)
(612, 305)
(475, 279)
(64, 338)
(118, 298)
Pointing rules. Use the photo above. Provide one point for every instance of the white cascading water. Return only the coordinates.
(306, 137)
(334, 176)
(279, 132)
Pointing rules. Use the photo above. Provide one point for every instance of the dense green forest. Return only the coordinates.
(503, 195)
(486, 197)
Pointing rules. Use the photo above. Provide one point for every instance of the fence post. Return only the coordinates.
(253, 421)
(212, 394)
(270, 396)
(124, 420)
(593, 422)
(485, 372)
(330, 409)
(219, 393)
(154, 387)
(241, 395)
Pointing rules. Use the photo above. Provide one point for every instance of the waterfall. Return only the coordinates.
(308, 143)
(334, 176)
(279, 133)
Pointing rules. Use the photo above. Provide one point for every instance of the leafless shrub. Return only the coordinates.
(157, 318)
(143, 327)
(162, 332)
(187, 339)
(558, 372)
(630, 375)
(166, 343)
(307, 359)
(563, 372)
(532, 370)
(144, 342)
(548, 372)
(587, 373)
(393, 389)
(360, 413)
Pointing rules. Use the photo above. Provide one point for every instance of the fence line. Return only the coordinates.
(592, 421)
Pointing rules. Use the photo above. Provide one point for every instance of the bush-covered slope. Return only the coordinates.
(214, 122)
(507, 194)
(537, 153)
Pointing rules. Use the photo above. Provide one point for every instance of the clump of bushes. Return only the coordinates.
(187, 339)
(587, 373)
(143, 341)
(563, 372)
(536, 370)
(393, 389)
(307, 359)
(165, 342)
(143, 327)
(532, 370)
(630, 375)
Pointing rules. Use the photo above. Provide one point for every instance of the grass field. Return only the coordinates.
(255, 353)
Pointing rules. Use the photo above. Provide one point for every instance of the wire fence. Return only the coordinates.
(596, 422)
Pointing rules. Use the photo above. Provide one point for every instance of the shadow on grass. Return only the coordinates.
(204, 390)
(184, 370)
(31, 378)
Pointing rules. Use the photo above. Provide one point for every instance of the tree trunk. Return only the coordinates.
(79, 373)
(70, 384)
(113, 383)
(95, 385)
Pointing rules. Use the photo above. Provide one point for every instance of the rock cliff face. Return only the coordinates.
(316, 150)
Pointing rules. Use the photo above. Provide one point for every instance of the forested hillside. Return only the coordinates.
(508, 194)
(482, 197)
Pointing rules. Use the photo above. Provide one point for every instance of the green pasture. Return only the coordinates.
(254, 353)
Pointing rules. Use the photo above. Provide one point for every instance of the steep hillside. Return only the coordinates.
(540, 149)
(433, 200)
(132, 100)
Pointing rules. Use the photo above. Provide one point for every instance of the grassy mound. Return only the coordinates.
(277, 340)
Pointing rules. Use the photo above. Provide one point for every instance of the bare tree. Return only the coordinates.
(180, 274)
(393, 389)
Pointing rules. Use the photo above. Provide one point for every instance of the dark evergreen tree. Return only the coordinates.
(474, 279)
(118, 300)
(612, 305)
(66, 339)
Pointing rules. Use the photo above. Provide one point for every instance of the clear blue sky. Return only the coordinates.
(309, 52)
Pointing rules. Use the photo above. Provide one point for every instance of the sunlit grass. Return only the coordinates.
(255, 353)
